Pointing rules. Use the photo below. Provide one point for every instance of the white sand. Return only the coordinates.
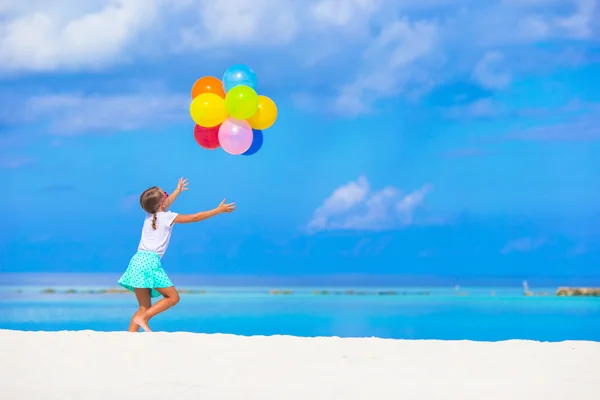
(174, 366)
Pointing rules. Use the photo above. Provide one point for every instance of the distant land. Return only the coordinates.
(341, 280)
(563, 292)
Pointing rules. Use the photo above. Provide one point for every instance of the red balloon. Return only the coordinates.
(207, 137)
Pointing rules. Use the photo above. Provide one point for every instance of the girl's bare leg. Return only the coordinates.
(145, 302)
(170, 298)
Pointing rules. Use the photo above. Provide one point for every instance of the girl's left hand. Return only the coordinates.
(182, 184)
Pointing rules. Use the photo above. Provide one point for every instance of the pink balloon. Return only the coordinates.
(235, 136)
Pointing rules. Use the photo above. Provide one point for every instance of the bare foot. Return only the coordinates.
(142, 322)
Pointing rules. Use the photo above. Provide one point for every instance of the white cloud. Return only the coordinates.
(480, 108)
(7, 5)
(355, 206)
(518, 22)
(268, 23)
(232, 22)
(39, 39)
(344, 13)
(464, 152)
(488, 71)
(14, 162)
(523, 245)
(391, 62)
(579, 250)
(344, 55)
(579, 24)
(580, 128)
(73, 114)
(129, 203)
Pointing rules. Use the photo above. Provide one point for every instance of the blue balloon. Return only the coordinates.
(257, 142)
(238, 74)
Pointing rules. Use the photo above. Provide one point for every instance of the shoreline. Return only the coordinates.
(94, 365)
(559, 292)
(299, 338)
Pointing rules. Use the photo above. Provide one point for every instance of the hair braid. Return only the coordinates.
(150, 201)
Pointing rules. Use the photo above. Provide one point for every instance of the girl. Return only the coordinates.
(144, 275)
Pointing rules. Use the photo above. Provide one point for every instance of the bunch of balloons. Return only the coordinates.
(229, 113)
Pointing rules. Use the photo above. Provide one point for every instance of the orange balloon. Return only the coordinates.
(208, 84)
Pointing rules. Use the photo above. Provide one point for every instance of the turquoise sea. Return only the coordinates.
(473, 313)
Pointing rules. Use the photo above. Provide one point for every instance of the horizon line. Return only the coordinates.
(299, 280)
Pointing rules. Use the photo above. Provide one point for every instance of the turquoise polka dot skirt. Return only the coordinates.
(145, 271)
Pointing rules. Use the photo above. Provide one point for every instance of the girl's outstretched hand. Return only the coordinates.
(226, 208)
(182, 184)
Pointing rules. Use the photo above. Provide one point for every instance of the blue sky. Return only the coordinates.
(420, 138)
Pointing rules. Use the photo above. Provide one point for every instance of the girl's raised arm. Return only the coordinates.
(202, 215)
(181, 186)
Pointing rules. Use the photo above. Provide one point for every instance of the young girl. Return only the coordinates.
(144, 275)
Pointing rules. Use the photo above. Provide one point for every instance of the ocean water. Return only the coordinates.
(253, 311)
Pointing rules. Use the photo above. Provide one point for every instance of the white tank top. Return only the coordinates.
(157, 240)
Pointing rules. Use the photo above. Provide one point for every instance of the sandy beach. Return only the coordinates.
(96, 365)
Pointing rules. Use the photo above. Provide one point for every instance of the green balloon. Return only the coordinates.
(241, 102)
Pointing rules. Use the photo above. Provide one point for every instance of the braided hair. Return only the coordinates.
(150, 201)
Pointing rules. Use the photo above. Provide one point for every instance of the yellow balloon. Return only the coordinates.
(266, 114)
(208, 110)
